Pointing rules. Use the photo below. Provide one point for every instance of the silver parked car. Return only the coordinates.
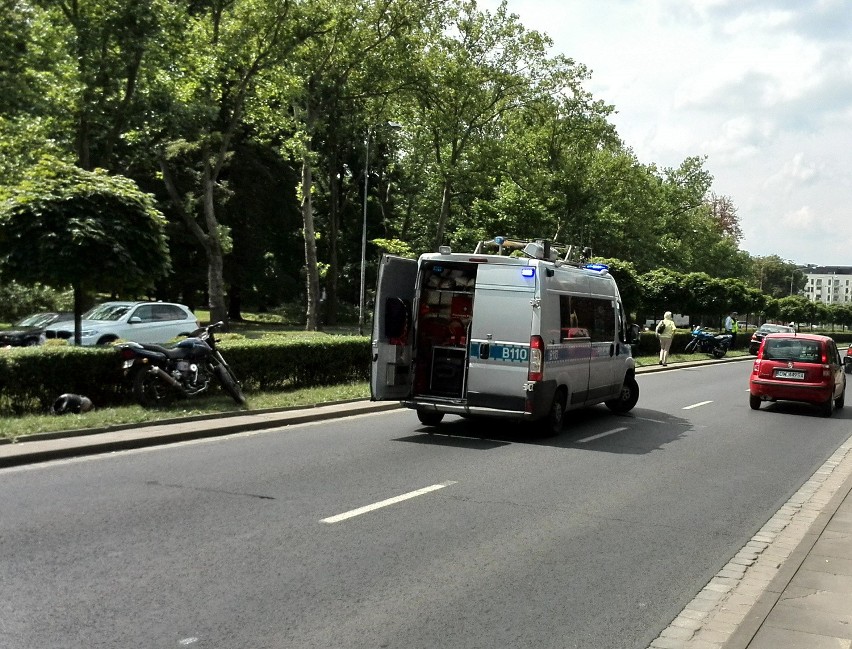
(142, 322)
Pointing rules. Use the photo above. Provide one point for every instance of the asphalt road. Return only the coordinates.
(595, 538)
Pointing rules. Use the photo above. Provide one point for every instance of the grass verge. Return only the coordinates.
(13, 427)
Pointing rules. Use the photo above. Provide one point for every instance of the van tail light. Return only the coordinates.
(536, 371)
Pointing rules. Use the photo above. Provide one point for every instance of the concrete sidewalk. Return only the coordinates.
(789, 587)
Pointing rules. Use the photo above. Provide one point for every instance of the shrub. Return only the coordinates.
(31, 378)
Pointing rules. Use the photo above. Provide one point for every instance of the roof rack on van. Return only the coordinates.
(558, 253)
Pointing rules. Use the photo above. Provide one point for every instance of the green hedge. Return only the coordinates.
(31, 378)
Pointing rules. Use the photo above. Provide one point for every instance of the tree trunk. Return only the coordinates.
(333, 237)
(311, 271)
(235, 304)
(78, 313)
(215, 257)
(445, 213)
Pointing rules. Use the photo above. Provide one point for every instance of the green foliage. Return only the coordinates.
(629, 285)
(795, 308)
(19, 300)
(64, 226)
(395, 247)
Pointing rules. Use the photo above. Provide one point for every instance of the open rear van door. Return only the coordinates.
(393, 335)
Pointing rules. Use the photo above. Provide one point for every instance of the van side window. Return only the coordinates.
(584, 317)
(570, 324)
(604, 325)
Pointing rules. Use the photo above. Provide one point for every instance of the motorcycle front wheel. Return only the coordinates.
(150, 391)
(229, 384)
(691, 345)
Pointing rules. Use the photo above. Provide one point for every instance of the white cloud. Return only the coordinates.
(762, 87)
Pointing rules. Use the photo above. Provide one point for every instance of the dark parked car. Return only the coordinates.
(798, 367)
(30, 331)
(762, 330)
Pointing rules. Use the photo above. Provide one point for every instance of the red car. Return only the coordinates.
(798, 367)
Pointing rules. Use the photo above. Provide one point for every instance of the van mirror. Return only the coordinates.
(397, 317)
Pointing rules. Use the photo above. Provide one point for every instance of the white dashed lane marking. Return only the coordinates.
(696, 405)
(385, 503)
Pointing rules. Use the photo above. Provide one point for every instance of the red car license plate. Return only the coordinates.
(787, 374)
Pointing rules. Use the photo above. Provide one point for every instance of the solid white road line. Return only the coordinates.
(384, 503)
(599, 435)
(696, 405)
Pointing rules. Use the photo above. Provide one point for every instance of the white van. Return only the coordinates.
(478, 334)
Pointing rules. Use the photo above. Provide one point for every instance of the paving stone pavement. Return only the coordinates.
(790, 586)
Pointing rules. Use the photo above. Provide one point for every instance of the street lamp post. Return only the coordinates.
(364, 238)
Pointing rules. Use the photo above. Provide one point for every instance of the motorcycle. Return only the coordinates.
(717, 345)
(187, 369)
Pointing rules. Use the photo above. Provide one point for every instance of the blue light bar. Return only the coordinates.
(528, 272)
(597, 267)
(499, 240)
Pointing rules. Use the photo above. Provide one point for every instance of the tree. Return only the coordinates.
(228, 48)
(724, 212)
(65, 226)
(478, 67)
(664, 290)
(98, 48)
(776, 277)
(629, 285)
(339, 83)
(796, 308)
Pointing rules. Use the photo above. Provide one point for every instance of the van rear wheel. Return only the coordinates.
(430, 417)
(556, 417)
(627, 398)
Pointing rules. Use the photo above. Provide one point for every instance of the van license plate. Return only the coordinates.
(786, 374)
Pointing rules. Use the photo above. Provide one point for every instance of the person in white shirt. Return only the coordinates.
(665, 333)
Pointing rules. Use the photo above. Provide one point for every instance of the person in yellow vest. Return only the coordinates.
(665, 333)
(732, 327)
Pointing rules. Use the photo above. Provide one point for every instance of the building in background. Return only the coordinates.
(829, 284)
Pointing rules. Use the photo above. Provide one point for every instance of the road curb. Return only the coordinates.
(748, 628)
(178, 431)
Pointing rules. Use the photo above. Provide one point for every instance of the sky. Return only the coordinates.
(762, 88)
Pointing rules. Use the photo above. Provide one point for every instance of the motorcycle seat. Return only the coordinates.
(169, 352)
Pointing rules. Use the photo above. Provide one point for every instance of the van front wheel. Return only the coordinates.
(627, 398)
